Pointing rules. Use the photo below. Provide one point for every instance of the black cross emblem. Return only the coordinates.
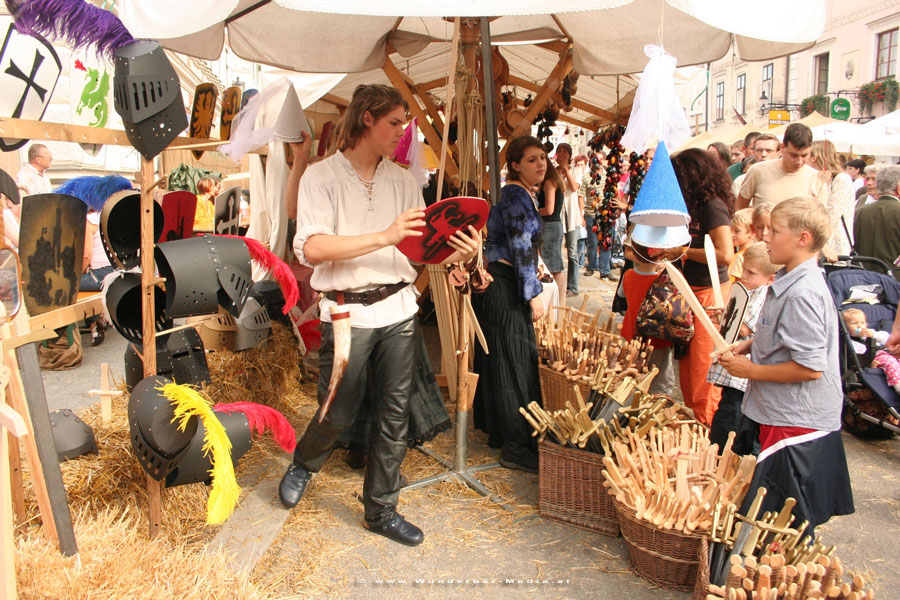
(15, 71)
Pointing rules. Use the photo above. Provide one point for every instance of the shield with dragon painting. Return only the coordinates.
(91, 95)
(29, 71)
(442, 220)
(231, 104)
(202, 113)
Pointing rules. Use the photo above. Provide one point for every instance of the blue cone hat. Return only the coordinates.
(659, 202)
(661, 237)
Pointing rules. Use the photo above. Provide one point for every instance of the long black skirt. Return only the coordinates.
(427, 412)
(508, 376)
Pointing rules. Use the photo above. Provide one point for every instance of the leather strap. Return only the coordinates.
(367, 298)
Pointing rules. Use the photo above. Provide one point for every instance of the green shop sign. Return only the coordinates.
(840, 109)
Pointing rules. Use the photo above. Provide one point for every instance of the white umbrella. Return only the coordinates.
(346, 36)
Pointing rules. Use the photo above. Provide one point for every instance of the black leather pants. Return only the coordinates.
(392, 352)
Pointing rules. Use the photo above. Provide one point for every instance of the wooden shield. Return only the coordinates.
(442, 220)
(323, 141)
(29, 71)
(247, 96)
(202, 114)
(51, 247)
(733, 317)
(179, 209)
(8, 187)
(228, 212)
(231, 104)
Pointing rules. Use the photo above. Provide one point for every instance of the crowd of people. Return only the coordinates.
(771, 209)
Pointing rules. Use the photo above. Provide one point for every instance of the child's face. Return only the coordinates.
(741, 235)
(761, 226)
(752, 277)
(781, 242)
(855, 323)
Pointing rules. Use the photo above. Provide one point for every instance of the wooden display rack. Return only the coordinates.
(39, 327)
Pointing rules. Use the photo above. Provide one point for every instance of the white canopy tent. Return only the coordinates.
(357, 36)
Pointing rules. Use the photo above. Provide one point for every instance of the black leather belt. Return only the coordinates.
(368, 297)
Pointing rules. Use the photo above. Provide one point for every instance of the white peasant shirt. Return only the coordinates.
(333, 201)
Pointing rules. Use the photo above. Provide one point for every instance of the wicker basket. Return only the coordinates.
(701, 585)
(570, 489)
(556, 390)
(664, 557)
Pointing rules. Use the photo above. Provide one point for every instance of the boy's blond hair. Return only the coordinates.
(743, 218)
(758, 257)
(805, 214)
(762, 208)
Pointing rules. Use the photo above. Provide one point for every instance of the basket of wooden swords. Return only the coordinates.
(670, 487)
(576, 351)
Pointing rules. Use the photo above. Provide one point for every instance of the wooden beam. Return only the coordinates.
(551, 85)
(434, 83)
(430, 107)
(336, 100)
(558, 46)
(576, 103)
(44, 131)
(568, 119)
(398, 80)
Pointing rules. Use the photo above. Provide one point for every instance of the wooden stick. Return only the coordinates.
(713, 266)
(699, 311)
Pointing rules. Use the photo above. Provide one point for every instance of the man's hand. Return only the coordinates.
(300, 150)
(466, 246)
(404, 226)
(893, 343)
(537, 308)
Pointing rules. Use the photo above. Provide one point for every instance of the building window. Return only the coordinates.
(822, 74)
(887, 54)
(740, 97)
(768, 74)
(720, 101)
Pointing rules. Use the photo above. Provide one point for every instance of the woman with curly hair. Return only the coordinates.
(707, 192)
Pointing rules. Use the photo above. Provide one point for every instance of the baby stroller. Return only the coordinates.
(871, 406)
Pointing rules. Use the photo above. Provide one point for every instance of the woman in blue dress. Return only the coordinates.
(506, 311)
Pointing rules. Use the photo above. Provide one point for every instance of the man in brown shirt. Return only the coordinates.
(789, 177)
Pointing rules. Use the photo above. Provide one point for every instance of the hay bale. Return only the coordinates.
(115, 561)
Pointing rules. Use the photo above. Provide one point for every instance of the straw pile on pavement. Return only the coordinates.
(116, 561)
(268, 375)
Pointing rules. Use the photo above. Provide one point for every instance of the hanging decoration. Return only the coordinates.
(657, 113)
(607, 211)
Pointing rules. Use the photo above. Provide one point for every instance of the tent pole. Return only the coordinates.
(490, 110)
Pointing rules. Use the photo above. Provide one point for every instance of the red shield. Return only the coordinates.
(442, 220)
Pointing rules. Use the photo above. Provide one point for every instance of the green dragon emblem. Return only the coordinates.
(95, 97)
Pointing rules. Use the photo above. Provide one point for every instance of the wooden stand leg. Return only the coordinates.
(154, 488)
(31, 388)
(17, 401)
(7, 542)
(105, 401)
(16, 483)
(154, 495)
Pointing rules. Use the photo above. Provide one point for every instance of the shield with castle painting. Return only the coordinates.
(202, 113)
(179, 208)
(29, 70)
(51, 248)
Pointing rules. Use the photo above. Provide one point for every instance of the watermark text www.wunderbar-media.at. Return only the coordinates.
(461, 581)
